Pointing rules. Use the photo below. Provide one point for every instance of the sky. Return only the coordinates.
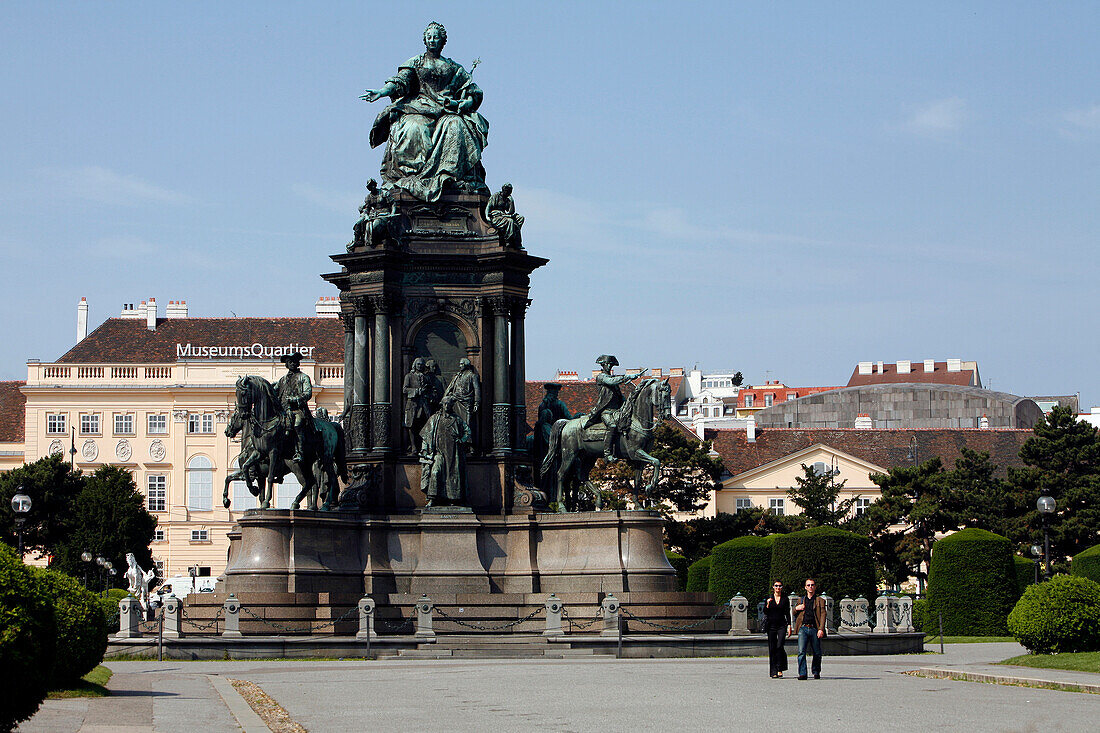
(781, 189)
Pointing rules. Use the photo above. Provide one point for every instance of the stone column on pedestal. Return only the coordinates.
(381, 431)
(502, 398)
(360, 378)
(519, 408)
(739, 615)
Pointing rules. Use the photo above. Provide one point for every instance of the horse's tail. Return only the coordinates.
(553, 448)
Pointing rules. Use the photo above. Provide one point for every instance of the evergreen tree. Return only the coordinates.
(982, 499)
(818, 494)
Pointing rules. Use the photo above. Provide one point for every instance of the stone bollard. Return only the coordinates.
(830, 608)
(853, 615)
(885, 608)
(232, 608)
(172, 627)
(905, 613)
(610, 611)
(793, 598)
(366, 619)
(424, 608)
(129, 618)
(739, 615)
(554, 609)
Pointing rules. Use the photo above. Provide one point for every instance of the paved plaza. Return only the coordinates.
(597, 694)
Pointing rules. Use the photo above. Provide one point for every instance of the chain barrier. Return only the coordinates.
(405, 626)
(201, 626)
(148, 626)
(669, 627)
(298, 629)
(581, 625)
(482, 627)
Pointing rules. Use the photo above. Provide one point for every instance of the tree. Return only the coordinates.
(916, 497)
(981, 498)
(817, 495)
(108, 518)
(53, 487)
(689, 473)
(695, 538)
(1062, 461)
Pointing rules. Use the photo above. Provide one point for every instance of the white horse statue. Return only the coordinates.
(138, 580)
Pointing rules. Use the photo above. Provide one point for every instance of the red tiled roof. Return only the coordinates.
(779, 391)
(12, 412)
(916, 375)
(127, 340)
(885, 448)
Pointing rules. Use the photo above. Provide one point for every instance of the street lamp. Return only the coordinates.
(1037, 553)
(102, 562)
(1046, 506)
(21, 505)
(86, 557)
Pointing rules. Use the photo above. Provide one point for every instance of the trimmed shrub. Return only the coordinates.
(81, 627)
(27, 638)
(1086, 564)
(698, 577)
(1025, 574)
(839, 561)
(741, 565)
(972, 582)
(922, 619)
(109, 604)
(679, 563)
(1060, 615)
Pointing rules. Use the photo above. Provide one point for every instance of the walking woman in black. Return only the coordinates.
(777, 617)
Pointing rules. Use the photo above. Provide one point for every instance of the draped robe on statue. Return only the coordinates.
(443, 455)
(429, 143)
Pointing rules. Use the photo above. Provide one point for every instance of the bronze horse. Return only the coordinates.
(573, 451)
(267, 447)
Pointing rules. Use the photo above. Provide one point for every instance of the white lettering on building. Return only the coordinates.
(253, 351)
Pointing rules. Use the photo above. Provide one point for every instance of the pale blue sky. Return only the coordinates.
(779, 188)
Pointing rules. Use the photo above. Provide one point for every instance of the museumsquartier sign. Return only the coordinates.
(252, 351)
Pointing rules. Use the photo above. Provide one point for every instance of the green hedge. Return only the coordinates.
(27, 639)
(839, 561)
(1086, 563)
(1061, 615)
(679, 563)
(922, 619)
(742, 565)
(81, 627)
(1025, 574)
(972, 583)
(109, 604)
(698, 576)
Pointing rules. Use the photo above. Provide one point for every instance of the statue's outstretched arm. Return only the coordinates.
(373, 95)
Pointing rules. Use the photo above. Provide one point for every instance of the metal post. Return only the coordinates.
(1046, 545)
(941, 632)
(160, 634)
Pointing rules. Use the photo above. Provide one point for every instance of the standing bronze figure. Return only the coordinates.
(465, 387)
(443, 456)
(417, 391)
(433, 133)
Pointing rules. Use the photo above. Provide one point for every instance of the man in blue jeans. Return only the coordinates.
(809, 624)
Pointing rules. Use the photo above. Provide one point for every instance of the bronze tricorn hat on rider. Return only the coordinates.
(607, 359)
(292, 355)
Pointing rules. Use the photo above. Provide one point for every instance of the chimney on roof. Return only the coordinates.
(129, 311)
(564, 376)
(983, 422)
(656, 372)
(929, 365)
(151, 314)
(880, 369)
(700, 425)
(905, 366)
(750, 429)
(676, 372)
(176, 309)
(954, 365)
(81, 320)
(863, 421)
(865, 367)
(327, 307)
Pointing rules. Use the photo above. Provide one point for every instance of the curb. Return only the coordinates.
(239, 708)
(1006, 679)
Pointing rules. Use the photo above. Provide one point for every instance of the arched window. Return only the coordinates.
(241, 497)
(200, 484)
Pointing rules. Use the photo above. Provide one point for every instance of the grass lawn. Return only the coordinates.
(1078, 661)
(967, 639)
(90, 685)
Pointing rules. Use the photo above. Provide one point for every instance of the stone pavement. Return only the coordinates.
(593, 694)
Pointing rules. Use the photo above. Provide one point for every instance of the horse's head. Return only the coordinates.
(235, 424)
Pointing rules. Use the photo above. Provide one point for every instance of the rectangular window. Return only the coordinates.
(89, 424)
(158, 534)
(200, 424)
(208, 423)
(768, 399)
(743, 505)
(200, 535)
(124, 424)
(159, 565)
(861, 506)
(748, 400)
(777, 506)
(56, 424)
(156, 491)
(792, 395)
(157, 424)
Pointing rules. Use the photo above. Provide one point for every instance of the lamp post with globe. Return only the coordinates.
(21, 506)
(1046, 506)
(1037, 553)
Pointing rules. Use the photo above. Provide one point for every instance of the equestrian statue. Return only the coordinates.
(280, 436)
(617, 428)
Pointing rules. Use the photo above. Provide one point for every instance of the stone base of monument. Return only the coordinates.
(441, 552)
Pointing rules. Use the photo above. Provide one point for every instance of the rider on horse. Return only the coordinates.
(294, 391)
(608, 402)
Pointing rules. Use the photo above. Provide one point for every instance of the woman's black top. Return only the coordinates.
(777, 616)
